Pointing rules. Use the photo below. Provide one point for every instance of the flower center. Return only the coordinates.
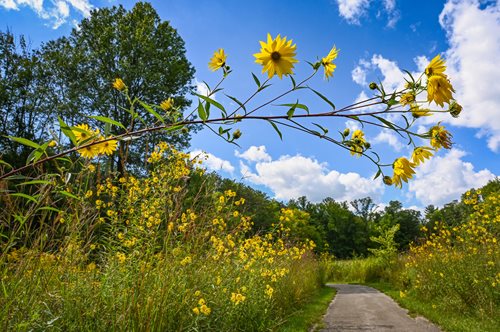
(275, 56)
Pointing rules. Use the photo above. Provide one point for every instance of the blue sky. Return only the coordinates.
(377, 39)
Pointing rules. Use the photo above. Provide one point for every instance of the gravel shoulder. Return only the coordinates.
(363, 308)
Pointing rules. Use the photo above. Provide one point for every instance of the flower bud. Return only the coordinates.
(367, 145)
(236, 134)
(373, 86)
(346, 132)
(455, 109)
(387, 180)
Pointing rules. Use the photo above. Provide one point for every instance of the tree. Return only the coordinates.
(147, 53)
(408, 220)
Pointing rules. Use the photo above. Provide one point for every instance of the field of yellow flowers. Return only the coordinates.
(149, 253)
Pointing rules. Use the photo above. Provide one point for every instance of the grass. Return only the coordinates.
(453, 321)
(310, 316)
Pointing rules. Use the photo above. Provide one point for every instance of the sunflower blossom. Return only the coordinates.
(439, 89)
(358, 142)
(440, 137)
(218, 60)
(107, 147)
(435, 67)
(277, 56)
(420, 154)
(89, 152)
(167, 104)
(418, 111)
(403, 170)
(327, 62)
(407, 98)
(82, 132)
(119, 85)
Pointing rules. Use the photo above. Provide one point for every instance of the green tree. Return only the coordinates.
(409, 222)
(137, 46)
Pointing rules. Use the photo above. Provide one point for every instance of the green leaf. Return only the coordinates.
(256, 80)
(25, 141)
(325, 131)
(65, 193)
(49, 208)
(201, 112)
(34, 182)
(237, 102)
(297, 105)
(67, 131)
(276, 128)
(293, 81)
(107, 120)
(28, 197)
(324, 98)
(35, 155)
(6, 164)
(175, 127)
(384, 121)
(211, 101)
(290, 113)
(377, 174)
(264, 87)
(152, 111)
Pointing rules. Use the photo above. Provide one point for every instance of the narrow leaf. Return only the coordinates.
(49, 208)
(28, 197)
(256, 80)
(107, 120)
(377, 174)
(237, 102)
(34, 182)
(152, 111)
(24, 141)
(211, 101)
(65, 193)
(325, 131)
(201, 112)
(67, 131)
(323, 97)
(276, 128)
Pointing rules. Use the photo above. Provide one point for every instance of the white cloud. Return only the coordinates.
(352, 125)
(388, 137)
(202, 89)
(393, 76)
(212, 162)
(443, 179)
(294, 176)
(57, 12)
(353, 10)
(359, 75)
(473, 64)
(254, 154)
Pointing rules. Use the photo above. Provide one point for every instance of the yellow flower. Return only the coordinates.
(196, 311)
(420, 154)
(439, 90)
(277, 56)
(403, 170)
(119, 85)
(82, 132)
(357, 142)
(52, 143)
(218, 60)
(440, 137)
(417, 111)
(89, 151)
(407, 98)
(205, 310)
(435, 67)
(237, 298)
(167, 104)
(107, 147)
(327, 62)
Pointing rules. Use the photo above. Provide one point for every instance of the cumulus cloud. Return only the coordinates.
(202, 89)
(56, 12)
(474, 36)
(294, 176)
(388, 137)
(254, 154)
(353, 10)
(359, 75)
(212, 162)
(444, 178)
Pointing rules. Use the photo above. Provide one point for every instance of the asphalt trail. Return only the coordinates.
(362, 308)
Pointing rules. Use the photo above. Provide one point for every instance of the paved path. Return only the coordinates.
(362, 308)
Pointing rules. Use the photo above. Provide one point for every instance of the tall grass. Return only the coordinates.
(153, 253)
